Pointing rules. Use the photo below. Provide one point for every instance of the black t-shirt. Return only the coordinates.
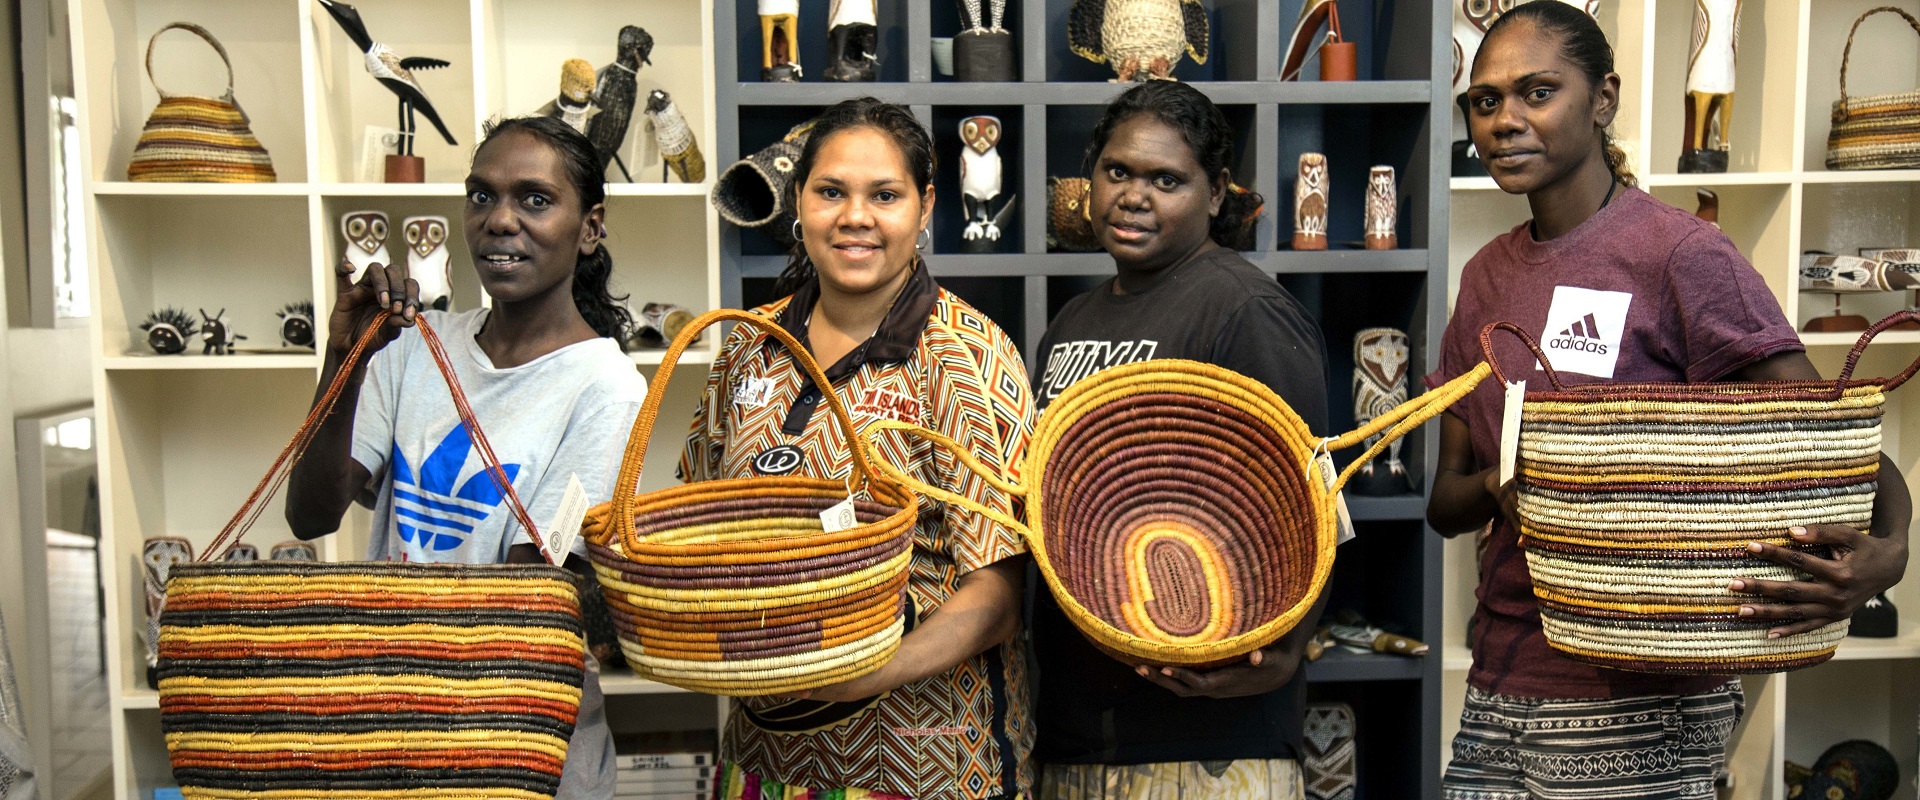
(1219, 309)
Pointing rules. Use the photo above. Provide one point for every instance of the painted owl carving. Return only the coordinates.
(294, 551)
(1141, 39)
(1310, 203)
(980, 173)
(366, 235)
(1380, 359)
(1382, 210)
(1328, 767)
(427, 260)
(157, 557)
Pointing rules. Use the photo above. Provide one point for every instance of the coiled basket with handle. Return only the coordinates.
(1176, 509)
(734, 587)
(1637, 502)
(369, 679)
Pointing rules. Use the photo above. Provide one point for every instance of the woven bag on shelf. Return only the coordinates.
(734, 587)
(1879, 131)
(193, 139)
(1637, 501)
(1176, 508)
(369, 679)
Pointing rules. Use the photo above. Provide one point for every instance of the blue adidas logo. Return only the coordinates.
(427, 509)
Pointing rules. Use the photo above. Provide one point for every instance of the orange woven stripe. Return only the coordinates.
(385, 703)
(267, 599)
(328, 651)
(367, 759)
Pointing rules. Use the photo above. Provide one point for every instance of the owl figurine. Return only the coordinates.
(674, 139)
(1141, 39)
(1310, 203)
(366, 233)
(294, 551)
(980, 183)
(1328, 767)
(241, 551)
(427, 260)
(1383, 210)
(1380, 358)
(157, 557)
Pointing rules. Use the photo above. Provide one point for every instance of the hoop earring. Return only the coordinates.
(924, 240)
(796, 230)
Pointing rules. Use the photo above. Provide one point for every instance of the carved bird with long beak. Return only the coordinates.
(393, 72)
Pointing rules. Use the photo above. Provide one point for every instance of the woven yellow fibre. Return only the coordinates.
(417, 741)
(349, 685)
(768, 598)
(450, 634)
(399, 588)
(1676, 476)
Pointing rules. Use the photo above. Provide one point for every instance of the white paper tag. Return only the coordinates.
(566, 522)
(753, 392)
(1343, 518)
(376, 143)
(839, 518)
(1510, 429)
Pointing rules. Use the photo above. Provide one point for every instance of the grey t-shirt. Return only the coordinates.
(567, 413)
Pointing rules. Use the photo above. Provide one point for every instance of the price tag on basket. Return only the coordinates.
(566, 522)
(839, 517)
(1343, 520)
(1510, 429)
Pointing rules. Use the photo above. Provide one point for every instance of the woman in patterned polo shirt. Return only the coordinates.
(946, 718)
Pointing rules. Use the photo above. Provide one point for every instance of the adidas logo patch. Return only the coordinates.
(1583, 335)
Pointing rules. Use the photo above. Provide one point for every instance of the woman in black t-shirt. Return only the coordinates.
(1160, 206)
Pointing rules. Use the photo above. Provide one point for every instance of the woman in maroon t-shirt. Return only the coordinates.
(1646, 292)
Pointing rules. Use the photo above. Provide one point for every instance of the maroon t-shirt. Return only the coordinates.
(1639, 292)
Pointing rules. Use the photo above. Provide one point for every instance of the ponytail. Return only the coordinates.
(1617, 161)
(604, 312)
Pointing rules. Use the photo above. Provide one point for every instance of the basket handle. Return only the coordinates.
(1846, 56)
(953, 448)
(197, 31)
(626, 488)
(1859, 347)
(1486, 349)
(277, 474)
(1404, 418)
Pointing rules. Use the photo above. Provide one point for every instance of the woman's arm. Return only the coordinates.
(327, 479)
(1861, 565)
(1464, 499)
(982, 612)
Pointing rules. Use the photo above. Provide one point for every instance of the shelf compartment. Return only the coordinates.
(262, 39)
(1904, 646)
(463, 283)
(949, 215)
(892, 17)
(1354, 139)
(1340, 665)
(1884, 60)
(349, 101)
(1234, 28)
(525, 76)
(1222, 92)
(1765, 84)
(1844, 218)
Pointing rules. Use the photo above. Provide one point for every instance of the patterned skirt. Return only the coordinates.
(740, 784)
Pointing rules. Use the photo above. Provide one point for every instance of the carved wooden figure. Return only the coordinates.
(1310, 203)
(296, 324)
(674, 139)
(158, 554)
(983, 50)
(853, 39)
(427, 261)
(780, 40)
(574, 104)
(614, 92)
(366, 234)
(1710, 74)
(1380, 358)
(980, 174)
(168, 330)
(216, 334)
(396, 74)
(1383, 210)
(1141, 39)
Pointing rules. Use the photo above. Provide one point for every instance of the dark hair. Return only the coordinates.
(1583, 44)
(604, 312)
(1201, 123)
(899, 124)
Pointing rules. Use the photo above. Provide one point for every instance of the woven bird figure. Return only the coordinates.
(393, 72)
(675, 138)
(615, 93)
(1142, 39)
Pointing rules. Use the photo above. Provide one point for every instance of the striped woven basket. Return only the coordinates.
(1175, 508)
(733, 587)
(1637, 501)
(198, 139)
(1879, 131)
(356, 680)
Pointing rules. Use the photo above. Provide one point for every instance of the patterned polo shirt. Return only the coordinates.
(937, 362)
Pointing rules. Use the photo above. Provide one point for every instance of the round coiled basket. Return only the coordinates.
(1637, 502)
(734, 587)
(1176, 508)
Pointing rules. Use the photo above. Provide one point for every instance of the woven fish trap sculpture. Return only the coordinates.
(304, 679)
(1637, 501)
(1176, 508)
(734, 587)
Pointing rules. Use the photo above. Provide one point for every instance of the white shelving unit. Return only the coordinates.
(1777, 200)
(184, 438)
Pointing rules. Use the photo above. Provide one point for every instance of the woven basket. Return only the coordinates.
(1175, 509)
(732, 587)
(302, 679)
(1637, 502)
(198, 139)
(1879, 131)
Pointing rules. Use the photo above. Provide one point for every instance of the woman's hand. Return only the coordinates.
(1861, 567)
(1505, 495)
(355, 304)
(1264, 670)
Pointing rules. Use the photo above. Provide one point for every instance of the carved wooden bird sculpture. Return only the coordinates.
(394, 72)
(1141, 38)
(675, 138)
(614, 94)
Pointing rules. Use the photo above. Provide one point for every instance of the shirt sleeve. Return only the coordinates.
(1727, 316)
(986, 408)
(1273, 341)
(590, 449)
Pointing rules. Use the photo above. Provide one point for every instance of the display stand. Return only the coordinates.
(1777, 199)
(184, 438)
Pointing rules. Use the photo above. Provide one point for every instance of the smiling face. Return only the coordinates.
(860, 213)
(524, 223)
(1152, 203)
(1533, 115)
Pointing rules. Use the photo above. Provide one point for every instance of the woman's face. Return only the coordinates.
(1152, 203)
(860, 212)
(1533, 115)
(523, 220)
